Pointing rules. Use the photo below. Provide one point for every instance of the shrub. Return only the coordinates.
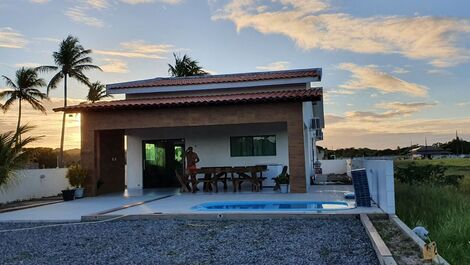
(76, 175)
(465, 184)
(429, 174)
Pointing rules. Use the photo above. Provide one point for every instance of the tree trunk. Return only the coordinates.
(61, 155)
(18, 136)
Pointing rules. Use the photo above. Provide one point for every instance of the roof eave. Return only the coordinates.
(212, 86)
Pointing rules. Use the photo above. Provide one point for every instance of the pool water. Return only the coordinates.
(271, 206)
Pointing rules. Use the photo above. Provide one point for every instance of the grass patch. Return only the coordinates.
(444, 211)
(454, 166)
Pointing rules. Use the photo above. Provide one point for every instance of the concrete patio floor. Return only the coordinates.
(170, 201)
(74, 210)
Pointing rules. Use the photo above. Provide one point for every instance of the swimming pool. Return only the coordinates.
(271, 206)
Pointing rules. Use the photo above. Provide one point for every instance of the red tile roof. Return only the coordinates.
(298, 95)
(217, 79)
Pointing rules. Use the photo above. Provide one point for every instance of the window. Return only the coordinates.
(253, 145)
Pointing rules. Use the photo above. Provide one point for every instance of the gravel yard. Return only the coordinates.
(276, 241)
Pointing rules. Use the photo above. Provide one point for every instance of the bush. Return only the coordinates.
(465, 184)
(76, 175)
(429, 174)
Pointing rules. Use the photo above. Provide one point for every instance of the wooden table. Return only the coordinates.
(238, 175)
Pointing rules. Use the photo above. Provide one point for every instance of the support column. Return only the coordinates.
(295, 132)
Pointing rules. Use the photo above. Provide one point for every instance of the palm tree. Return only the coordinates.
(71, 60)
(97, 92)
(12, 155)
(24, 89)
(185, 66)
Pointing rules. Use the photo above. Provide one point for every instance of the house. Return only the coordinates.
(230, 120)
(430, 152)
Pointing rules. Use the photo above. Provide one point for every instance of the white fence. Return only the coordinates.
(34, 183)
(334, 166)
(379, 175)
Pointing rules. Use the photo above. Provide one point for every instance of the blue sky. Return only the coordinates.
(394, 71)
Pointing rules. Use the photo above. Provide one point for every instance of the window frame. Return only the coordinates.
(252, 154)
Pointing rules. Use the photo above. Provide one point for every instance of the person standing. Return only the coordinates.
(191, 160)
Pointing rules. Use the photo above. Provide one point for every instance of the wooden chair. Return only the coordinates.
(183, 182)
(283, 173)
(243, 176)
(221, 175)
(261, 169)
(207, 179)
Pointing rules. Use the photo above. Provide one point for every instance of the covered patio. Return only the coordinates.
(208, 123)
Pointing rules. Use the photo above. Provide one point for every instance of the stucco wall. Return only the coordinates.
(289, 113)
(334, 166)
(212, 143)
(34, 183)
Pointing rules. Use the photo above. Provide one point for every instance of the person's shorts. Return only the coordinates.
(192, 169)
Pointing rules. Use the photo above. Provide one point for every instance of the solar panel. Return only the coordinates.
(361, 187)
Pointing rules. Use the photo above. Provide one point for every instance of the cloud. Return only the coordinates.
(437, 71)
(400, 70)
(98, 4)
(27, 65)
(138, 49)
(78, 15)
(384, 132)
(463, 104)
(339, 92)
(405, 108)
(274, 66)
(114, 66)
(48, 125)
(48, 39)
(366, 77)
(11, 39)
(393, 110)
(39, 1)
(134, 2)
(314, 24)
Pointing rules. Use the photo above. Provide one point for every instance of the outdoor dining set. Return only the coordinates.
(212, 176)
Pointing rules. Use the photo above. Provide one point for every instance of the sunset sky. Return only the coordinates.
(394, 72)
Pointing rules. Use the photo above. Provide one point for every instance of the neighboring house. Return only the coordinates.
(231, 120)
(430, 152)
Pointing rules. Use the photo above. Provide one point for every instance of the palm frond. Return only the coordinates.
(46, 68)
(80, 77)
(36, 104)
(84, 67)
(9, 82)
(9, 102)
(54, 81)
(12, 155)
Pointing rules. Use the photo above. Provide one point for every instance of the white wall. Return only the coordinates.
(339, 166)
(381, 182)
(211, 143)
(34, 183)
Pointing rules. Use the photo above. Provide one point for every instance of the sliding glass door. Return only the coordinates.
(160, 160)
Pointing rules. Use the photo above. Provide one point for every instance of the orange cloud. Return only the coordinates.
(314, 24)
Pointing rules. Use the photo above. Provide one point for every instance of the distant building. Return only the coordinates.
(430, 152)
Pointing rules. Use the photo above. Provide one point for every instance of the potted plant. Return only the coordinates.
(68, 194)
(283, 182)
(76, 176)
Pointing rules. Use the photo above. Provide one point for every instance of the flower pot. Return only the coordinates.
(79, 192)
(284, 188)
(68, 195)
